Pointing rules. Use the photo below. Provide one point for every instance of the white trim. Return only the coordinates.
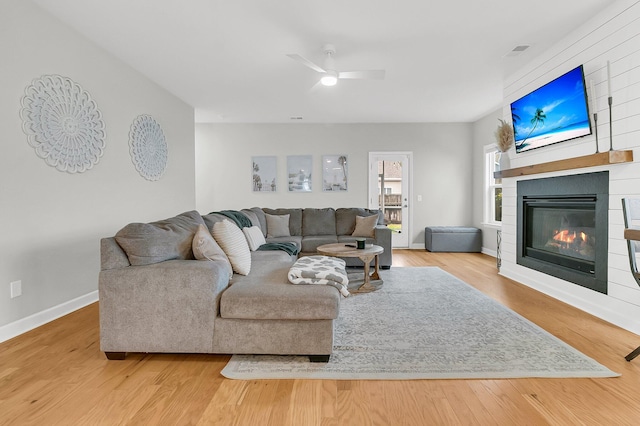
(488, 199)
(606, 313)
(489, 252)
(23, 325)
(373, 186)
(491, 225)
(420, 246)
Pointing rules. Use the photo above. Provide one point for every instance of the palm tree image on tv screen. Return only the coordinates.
(553, 113)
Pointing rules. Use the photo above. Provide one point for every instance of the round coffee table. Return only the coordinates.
(367, 254)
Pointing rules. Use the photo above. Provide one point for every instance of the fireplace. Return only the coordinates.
(563, 227)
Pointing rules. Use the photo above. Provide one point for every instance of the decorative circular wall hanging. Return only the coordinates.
(148, 147)
(63, 124)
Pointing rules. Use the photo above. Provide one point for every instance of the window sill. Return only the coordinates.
(491, 225)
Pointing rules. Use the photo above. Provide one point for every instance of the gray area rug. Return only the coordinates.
(424, 323)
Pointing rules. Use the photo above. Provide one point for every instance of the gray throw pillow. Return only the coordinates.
(277, 225)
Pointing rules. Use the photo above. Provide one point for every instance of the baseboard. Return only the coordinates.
(489, 252)
(23, 325)
(603, 312)
(420, 246)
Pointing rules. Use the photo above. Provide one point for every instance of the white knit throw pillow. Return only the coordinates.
(234, 244)
(254, 237)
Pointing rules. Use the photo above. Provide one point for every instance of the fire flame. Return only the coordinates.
(566, 236)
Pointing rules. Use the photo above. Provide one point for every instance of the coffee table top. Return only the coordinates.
(341, 250)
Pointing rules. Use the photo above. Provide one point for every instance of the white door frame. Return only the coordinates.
(372, 197)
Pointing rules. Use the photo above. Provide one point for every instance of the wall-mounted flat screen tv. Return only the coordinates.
(555, 112)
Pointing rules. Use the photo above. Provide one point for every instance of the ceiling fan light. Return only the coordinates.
(329, 79)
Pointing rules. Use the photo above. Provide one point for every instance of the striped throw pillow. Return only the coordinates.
(234, 244)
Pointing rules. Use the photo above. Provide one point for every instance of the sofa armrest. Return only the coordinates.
(111, 254)
(383, 236)
(163, 307)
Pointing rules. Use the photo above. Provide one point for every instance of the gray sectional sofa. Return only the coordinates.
(313, 227)
(155, 297)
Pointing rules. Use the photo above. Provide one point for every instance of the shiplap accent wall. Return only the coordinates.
(613, 35)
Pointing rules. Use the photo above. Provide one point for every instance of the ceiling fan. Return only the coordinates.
(330, 75)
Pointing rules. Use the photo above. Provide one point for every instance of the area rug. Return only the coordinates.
(424, 323)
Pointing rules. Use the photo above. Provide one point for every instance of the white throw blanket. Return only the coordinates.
(320, 270)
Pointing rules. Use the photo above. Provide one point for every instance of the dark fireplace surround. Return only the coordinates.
(562, 227)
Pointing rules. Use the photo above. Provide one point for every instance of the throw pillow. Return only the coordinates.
(365, 226)
(254, 237)
(277, 225)
(205, 247)
(234, 244)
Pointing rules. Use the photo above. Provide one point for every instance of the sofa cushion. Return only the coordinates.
(296, 239)
(277, 225)
(267, 294)
(295, 218)
(253, 217)
(234, 244)
(206, 248)
(365, 226)
(254, 237)
(147, 243)
(211, 218)
(310, 244)
(318, 221)
(261, 218)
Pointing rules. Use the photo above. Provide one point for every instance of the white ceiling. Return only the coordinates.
(444, 61)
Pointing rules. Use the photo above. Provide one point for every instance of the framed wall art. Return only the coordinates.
(299, 172)
(335, 173)
(264, 173)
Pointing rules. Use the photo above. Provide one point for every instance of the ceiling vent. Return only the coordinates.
(518, 50)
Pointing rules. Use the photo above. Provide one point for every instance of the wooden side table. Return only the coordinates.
(369, 253)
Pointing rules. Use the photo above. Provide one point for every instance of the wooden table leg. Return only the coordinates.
(367, 286)
(367, 277)
(376, 275)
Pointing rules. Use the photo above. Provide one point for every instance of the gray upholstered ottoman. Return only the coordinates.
(452, 239)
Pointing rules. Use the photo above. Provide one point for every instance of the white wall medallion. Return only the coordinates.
(148, 147)
(63, 124)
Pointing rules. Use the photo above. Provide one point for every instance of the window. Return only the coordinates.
(493, 187)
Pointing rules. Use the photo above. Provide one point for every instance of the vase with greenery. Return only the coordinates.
(504, 140)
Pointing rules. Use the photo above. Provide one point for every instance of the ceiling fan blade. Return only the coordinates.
(307, 63)
(369, 74)
(316, 87)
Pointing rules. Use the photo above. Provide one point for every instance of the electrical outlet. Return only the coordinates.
(419, 197)
(16, 289)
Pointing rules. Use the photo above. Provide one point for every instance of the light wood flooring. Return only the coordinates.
(56, 374)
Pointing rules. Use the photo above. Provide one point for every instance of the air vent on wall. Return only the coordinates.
(518, 50)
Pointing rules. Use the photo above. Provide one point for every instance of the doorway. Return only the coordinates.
(389, 191)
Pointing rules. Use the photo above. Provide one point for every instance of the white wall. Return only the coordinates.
(612, 35)
(483, 135)
(441, 157)
(52, 221)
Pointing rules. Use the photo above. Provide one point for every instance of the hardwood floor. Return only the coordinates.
(56, 374)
